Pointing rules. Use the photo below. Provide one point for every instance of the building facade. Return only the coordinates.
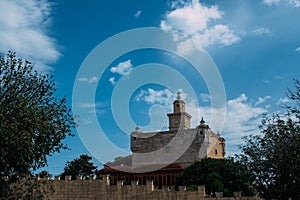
(161, 156)
(180, 144)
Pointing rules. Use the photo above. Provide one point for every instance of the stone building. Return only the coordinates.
(161, 156)
(180, 144)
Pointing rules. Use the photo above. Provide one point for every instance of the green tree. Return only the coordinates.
(33, 122)
(274, 155)
(121, 160)
(44, 174)
(218, 175)
(80, 167)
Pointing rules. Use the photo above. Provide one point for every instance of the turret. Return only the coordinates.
(179, 119)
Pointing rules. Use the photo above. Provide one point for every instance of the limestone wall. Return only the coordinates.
(183, 147)
(102, 190)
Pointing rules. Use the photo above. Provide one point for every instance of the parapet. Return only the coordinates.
(102, 189)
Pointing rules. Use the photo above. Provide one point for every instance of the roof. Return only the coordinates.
(141, 169)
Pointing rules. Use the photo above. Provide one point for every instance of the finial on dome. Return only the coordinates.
(179, 95)
(202, 121)
(137, 128)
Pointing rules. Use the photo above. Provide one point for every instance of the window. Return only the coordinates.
(216, 152)
(134, 138)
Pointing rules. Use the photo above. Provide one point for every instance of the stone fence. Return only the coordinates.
(102, 190)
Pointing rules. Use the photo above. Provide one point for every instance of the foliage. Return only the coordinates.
(80, 167)
(33, 122)
(120, 161)
(274, 155)
(192, 187)
(218, 175)
(30, 188)
(44, 174)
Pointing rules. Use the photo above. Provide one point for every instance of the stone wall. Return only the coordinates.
(102, 190)
(182, 146)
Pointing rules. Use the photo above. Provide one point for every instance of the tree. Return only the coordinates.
(274, 155)
(33, 122)
(44, 174)
(218, 175)
(80, 167)
(121, 160)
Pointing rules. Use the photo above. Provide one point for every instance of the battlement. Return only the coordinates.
(102, 189)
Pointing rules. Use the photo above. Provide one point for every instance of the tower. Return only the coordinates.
(179, 119)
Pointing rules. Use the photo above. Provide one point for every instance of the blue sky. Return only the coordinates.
(254, 44)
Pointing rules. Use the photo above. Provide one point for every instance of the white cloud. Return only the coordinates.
(140, 96)
(283, 101)
(123, 68)
(297, 49)
(87, 105)
(87, 121)
(88, 80)
(242, 119)
(293, 3)
(91, 105)
(192, 17)
(198, 24)
(112, 80)
(24, 25)
(138, 14)
(205, 97)
(278, 77)
(271, 2)
(261, 31)
(262, 100)
(97, 108)
(219, 34)
(151, 96)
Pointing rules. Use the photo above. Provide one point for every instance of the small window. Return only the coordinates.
(216, 152)
(134, 138)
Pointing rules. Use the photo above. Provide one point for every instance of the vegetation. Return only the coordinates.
(218, 175)
(121, 160)
(33, 122)
(273, 157)
(80, 167)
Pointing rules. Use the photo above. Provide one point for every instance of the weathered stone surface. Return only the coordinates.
(100, 189)
(181, 144)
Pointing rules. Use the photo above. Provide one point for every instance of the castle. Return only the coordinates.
(161, 156)
(180, 144)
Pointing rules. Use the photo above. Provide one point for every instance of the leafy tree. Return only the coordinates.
(274, 155)
(33, 122)
(218, 175)
(80, 167)
(44, 174)
(121, 160)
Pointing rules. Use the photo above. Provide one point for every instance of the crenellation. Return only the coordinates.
(134, 182)
(99, 189)
(182, 188)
